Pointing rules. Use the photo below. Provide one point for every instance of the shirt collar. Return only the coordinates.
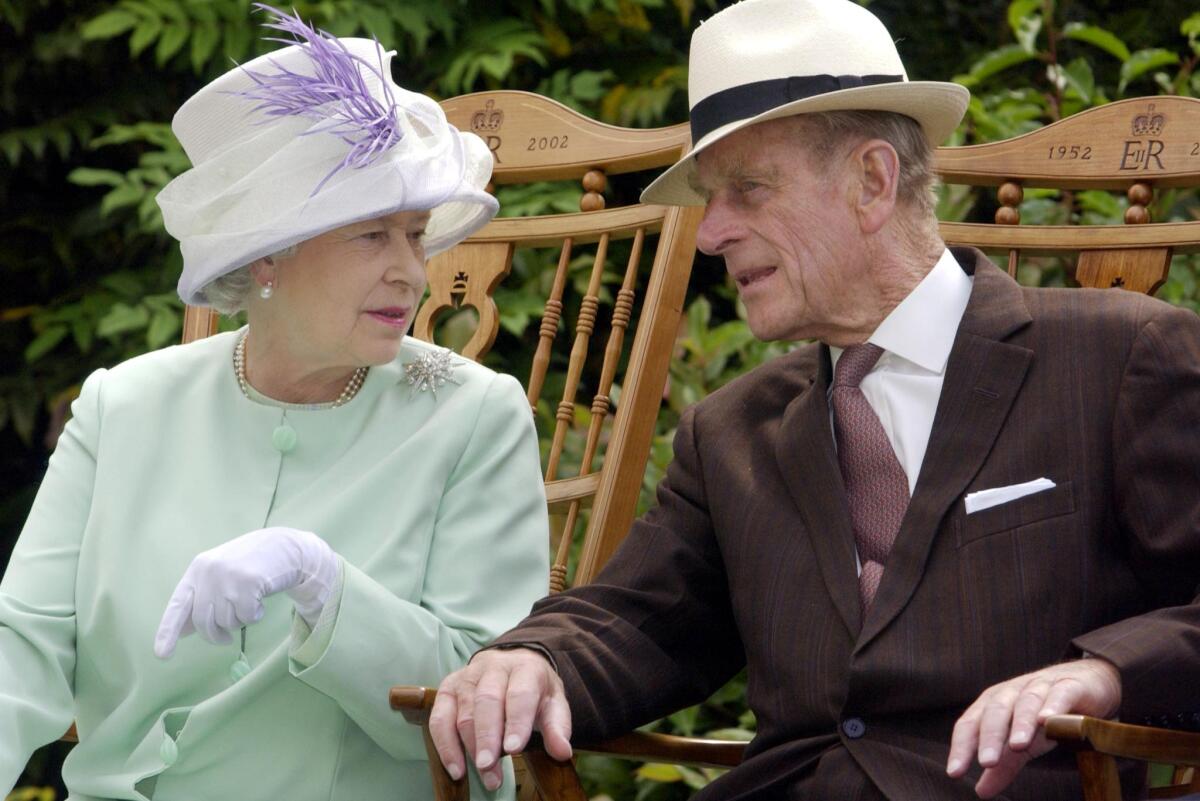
(922, 327)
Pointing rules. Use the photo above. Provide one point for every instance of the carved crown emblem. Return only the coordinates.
(488, 119)
(460, 282)
(1148, 124)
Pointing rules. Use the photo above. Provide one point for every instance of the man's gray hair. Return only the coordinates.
(228, 293)
(825, 133)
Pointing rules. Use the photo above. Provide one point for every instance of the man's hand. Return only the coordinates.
(505, 693)
(1004, 725)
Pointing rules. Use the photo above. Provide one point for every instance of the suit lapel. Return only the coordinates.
(805, 454)
(983, 376)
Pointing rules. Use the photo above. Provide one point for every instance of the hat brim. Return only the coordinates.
(937, 106)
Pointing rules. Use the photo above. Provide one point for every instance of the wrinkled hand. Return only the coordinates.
(1004, 725)
(501, 692)
(223, 588)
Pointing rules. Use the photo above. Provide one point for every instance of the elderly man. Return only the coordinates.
(912, 533)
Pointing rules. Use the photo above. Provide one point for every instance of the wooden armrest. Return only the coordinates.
(1125, 739)
(557, 779)
(414, 703)
(655, 747)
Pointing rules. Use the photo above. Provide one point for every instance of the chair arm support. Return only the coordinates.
(655, 747)
(1124, 739)
(415, 703)
(557, 779)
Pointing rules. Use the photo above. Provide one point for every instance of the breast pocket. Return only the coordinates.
(1036, 508)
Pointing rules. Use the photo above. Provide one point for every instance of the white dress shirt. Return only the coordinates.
(905, 384)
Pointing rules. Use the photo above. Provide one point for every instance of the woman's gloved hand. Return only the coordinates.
(223, 588)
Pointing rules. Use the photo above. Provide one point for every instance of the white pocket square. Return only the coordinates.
(986, 499)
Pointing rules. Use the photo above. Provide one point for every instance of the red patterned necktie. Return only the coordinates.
(876, 486)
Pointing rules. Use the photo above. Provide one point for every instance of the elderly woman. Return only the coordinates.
(331, 507)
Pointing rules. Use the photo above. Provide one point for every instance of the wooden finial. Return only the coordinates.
(1010, 195)
(1140, 196)
(594, 183)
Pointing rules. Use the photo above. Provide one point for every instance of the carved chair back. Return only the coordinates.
(1141, 147)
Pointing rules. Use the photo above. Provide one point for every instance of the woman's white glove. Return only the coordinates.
(223, 588)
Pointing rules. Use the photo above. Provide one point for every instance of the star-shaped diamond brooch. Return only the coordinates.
(431, 371)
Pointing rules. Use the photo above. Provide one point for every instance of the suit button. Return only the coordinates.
(854, 728)
(283, 438)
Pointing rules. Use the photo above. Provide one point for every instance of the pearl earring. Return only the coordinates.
(267, 291)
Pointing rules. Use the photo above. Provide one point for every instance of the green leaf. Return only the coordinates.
(1025, 19)
(1020, 10)
(145, 33)
(11, 145)
(238, 37)
(127, 194)
(124, 283)
(175, 34)
(44, 342)
(121, 318)
(1190, 28)
(109, 24)
(89, 176)
(1093, 35)
(1078, 76)
(205, 38)
(162, 329)
(1142, 62)
(660, 772)
(994, 62)
(81, 329)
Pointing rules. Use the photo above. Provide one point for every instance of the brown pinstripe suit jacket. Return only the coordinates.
(748, 558)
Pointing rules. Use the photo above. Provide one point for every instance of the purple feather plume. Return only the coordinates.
(336, 93)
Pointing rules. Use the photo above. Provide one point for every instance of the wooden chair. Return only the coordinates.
(1137, 147)
(534, 139)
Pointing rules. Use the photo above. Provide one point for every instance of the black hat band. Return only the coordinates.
(751, 99)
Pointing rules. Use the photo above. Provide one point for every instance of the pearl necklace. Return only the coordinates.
(239, 367)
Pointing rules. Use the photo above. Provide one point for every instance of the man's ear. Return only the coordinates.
(878, 169)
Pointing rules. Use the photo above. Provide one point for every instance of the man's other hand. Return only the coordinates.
(497, 701)
(1003, 728)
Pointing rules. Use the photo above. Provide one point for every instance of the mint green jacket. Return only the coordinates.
(434, 503)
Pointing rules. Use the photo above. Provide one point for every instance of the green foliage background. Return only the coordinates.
(87, 89)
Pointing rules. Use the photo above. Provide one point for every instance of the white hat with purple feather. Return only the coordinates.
(307, 139)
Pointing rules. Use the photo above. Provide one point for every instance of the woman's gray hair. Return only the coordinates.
(826, 132)
(228, 293)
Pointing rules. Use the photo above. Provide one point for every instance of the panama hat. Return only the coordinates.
(761, 60)
(307, 139)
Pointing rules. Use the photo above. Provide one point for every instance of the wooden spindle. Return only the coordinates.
(601, 402)
(583, 332)
(198, 322)
(594, 183)
(551, 315)
(1140, 196)
(1010, 195)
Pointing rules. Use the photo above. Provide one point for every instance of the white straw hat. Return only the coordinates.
(307, 139)
(760, 60)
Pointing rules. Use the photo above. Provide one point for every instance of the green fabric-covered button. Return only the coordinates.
(239, 669)
(283, 438)
(168, 752)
